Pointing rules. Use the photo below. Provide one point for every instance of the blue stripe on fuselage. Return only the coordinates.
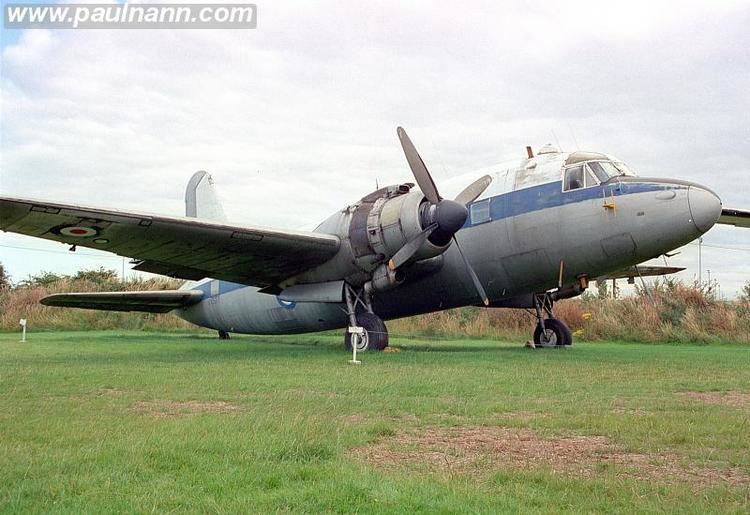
(545, 196)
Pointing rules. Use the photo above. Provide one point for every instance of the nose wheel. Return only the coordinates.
(549, 332)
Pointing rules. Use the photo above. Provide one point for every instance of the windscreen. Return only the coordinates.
(605, 170)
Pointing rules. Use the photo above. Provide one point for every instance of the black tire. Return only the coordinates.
(376, 333)
(568, 340)
(558, 333)
(223, 335)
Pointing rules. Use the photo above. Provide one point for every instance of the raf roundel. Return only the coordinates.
(286, 304)
(76, 231)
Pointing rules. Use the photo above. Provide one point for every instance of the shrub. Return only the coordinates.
(669, 311)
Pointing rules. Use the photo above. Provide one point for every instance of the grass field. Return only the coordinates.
(108, 421)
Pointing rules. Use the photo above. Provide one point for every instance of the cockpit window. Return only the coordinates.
(604, 170)
(590, 179)
(573, 178)
(624, 170)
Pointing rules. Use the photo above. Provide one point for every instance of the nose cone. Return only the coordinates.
(705, 207)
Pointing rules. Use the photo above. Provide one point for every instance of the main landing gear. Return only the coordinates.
(374, 334)
(549, 332)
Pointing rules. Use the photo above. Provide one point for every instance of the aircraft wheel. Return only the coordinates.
(556, 333)
(375, 336)
(223, 335)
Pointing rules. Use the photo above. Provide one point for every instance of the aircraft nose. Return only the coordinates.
(705, 207)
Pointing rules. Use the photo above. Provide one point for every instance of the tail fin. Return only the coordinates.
(201, 200)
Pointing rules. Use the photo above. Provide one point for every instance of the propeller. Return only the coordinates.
(473, 190)
(446, 216)
(418, 168)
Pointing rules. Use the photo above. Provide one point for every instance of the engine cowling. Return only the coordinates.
(384, 221)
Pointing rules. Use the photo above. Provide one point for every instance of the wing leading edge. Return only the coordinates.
(174, 246)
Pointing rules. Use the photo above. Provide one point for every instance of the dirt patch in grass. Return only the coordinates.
(478, 451)
(734, 398)
(167, 408)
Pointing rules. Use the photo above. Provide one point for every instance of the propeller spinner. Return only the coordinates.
(445, 216)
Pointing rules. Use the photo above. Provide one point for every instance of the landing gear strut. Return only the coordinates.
(549, 332)
(374, 334)
(223, 335)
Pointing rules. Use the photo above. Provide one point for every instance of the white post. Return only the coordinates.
(22, 323)
(356, 333)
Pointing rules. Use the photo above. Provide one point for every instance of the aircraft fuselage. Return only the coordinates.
(533, 229)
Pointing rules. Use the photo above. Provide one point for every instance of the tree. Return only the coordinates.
(602, 291)
(4, 278)
(43, 279)
(100, 276)
(745, 292)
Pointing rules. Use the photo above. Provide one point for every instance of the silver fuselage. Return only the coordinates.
(524, 235)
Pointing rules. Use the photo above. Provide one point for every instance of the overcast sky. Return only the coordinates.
(297, 118)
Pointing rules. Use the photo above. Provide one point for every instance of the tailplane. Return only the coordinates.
(201, 200)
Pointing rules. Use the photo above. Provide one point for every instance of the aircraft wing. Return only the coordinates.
(181, 247)
(148, 301)
(736, 217)
(641, 271)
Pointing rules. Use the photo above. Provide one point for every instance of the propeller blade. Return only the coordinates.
(405, 253)
(473, 190)
(473, 274)
(418, 168)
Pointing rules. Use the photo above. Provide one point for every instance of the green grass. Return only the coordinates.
(78, 432)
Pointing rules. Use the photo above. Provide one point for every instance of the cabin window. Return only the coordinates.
(480, 212)
(573, 178)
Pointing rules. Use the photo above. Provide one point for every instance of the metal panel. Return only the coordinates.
(176, 246)
(317, 292)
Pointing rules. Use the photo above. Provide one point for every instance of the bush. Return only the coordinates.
(669, 311)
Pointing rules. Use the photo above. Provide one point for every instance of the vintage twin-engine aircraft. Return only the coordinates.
(516, 237)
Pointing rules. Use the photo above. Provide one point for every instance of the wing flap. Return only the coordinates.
(736, 217)
(177, 246)
(147, 301)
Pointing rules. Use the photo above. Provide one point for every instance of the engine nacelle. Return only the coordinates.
(385, 221)
(383, 278)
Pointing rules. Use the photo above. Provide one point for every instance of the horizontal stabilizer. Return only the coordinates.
(161, 301)
(641, 271)
(736, 217)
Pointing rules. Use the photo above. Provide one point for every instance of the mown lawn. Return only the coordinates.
(136, 422)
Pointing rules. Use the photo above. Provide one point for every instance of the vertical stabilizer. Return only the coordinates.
(201, 200)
